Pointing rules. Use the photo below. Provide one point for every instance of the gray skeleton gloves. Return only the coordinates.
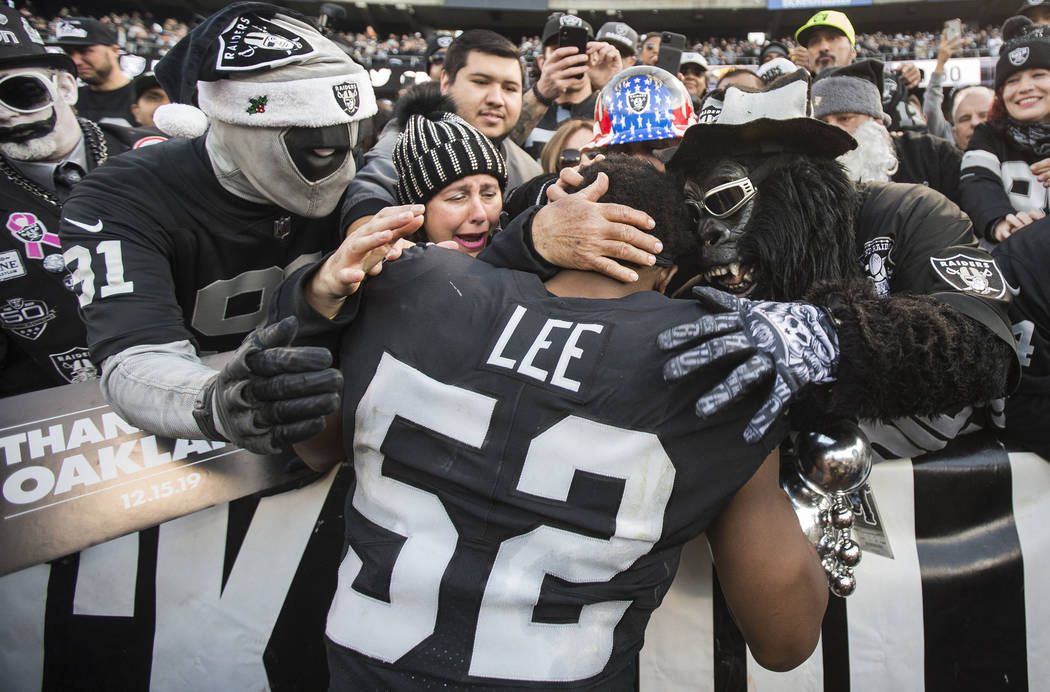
(791, 345)
(270, 394)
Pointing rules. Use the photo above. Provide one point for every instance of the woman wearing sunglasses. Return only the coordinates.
(445, 164)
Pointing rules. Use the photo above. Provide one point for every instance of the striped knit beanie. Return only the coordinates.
(436, 147)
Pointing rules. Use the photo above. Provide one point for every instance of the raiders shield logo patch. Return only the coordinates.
(250, 43)
(347, 96)
(638, 101)
(877, 263)
(26, 318)
(74, 365)
(979, 276)
(1018, 56)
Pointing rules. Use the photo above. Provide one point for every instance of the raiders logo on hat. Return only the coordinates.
(972, 275)
(570, 20)
(1018, 56)
(250, 42)
(638, 101)
(347, 96)
(444, 41)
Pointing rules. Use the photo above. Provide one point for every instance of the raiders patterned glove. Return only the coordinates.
(270, 394)
(791, 345)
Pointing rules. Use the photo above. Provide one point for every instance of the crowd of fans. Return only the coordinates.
(143, 34)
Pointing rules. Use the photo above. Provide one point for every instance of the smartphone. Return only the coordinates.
(953, 28)
(573, 36)
(670, 56)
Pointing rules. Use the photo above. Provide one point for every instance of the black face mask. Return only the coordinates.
(302, 141)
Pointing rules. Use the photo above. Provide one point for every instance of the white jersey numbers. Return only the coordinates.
(507, 643)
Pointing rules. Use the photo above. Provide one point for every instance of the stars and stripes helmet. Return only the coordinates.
(641, 104)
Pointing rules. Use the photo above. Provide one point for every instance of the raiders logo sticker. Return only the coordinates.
(250, 43)
(975, 275)
(11, 265)
(875, 257)
(26, 318)
(74, 365)
(1018, 56)
(638, 101)
(347, 96)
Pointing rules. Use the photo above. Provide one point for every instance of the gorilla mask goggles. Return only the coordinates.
(27, 92)
(723, 200)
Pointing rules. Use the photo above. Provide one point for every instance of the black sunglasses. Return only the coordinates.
(574, 157)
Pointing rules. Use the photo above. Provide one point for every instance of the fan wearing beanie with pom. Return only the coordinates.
(176, 251)
(445, 164)
(1006, 167)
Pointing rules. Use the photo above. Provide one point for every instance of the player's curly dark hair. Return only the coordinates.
(638, 184)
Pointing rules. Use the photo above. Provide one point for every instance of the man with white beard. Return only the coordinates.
(849, 98)
(44, 150)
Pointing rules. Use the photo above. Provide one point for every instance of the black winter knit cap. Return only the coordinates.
(436, 147)
(1026, 46)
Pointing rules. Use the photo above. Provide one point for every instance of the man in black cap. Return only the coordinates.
(149, 96)
(107, 93)
(623, 38)
(772, 50)
(44, 150)
(437, 46)
(568, 85)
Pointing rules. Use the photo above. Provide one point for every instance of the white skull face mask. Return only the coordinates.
(301, 169)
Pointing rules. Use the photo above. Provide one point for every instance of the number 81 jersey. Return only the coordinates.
(524, 481)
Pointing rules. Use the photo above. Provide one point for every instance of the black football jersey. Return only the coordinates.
(160, 252)
(524, 480)
(1024, 258)
(44, 343)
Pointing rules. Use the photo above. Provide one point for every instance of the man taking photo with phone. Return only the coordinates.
(573, 68)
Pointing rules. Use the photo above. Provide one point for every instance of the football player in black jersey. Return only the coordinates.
(524, 481)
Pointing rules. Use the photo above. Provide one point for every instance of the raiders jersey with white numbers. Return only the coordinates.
(160, 252)
(524, 479)
(995, 180)
(1024, 258)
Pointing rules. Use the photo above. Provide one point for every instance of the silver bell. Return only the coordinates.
(836, 459)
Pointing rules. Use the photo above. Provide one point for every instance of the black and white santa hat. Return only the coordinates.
(436, 147)
(260, 65)
(1026, 46)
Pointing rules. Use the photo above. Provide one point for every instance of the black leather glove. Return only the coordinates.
(270, 394)
(791, 345)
